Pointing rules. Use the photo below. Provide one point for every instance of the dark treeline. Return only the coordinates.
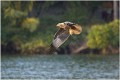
(28, 27)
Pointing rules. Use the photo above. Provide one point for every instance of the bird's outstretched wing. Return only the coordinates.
(61, 30)
(60, 37)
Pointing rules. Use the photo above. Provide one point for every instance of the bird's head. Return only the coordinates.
(69, 23)
(65, 24)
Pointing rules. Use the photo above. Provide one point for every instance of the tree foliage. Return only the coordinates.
(31, 24)
(15, 19)
(105, 35)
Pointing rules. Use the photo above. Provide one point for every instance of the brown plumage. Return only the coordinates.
(65, 30)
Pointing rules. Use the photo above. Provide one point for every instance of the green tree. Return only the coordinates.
(15, 19)
(104, 36)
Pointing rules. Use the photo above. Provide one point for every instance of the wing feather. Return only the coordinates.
(75, 29)
(61, 30)
(60, 39)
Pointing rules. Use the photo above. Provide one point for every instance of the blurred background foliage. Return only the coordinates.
(29, 26)
(104, 36)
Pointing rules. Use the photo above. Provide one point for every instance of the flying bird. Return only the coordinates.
(65, 30)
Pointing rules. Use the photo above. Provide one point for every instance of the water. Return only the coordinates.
(60, 67)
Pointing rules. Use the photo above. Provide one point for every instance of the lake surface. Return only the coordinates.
(60, 67)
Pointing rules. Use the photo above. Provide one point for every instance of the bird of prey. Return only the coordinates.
(65, 30)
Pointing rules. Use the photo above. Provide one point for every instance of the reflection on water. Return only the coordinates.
(60, 67)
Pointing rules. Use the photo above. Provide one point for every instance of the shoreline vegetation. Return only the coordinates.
(28, 28)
